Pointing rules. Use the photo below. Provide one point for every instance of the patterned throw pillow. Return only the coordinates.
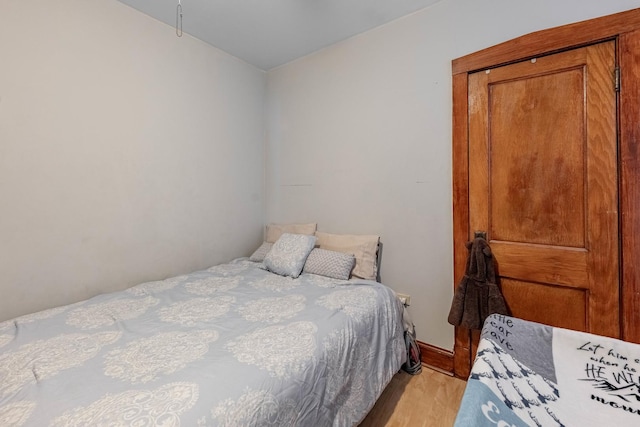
(363, 247)
(333, 264)
(288, 254)
(261, 252)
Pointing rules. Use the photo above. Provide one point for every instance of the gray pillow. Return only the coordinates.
(337, 265)
(261, 252)
(288, 254)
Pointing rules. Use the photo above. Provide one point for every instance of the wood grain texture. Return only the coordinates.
(629, 60)
(543, 182)
(461, 357)
(436, 358)
(530, 301)
(602, 192)
(537, 191)
(460, 156)
(479, 150)
(543, 264)
(625, 29)
(549, 41)
(430, 399)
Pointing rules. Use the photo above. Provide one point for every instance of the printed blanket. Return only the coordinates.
(529, 374)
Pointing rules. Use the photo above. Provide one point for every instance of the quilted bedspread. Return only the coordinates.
(528, 374)
(233, 345)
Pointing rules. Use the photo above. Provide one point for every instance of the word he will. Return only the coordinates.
(604, 358)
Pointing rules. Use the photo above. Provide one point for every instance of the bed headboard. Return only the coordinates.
(378, 261)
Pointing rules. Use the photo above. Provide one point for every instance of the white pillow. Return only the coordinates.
(288, 254)
(261, 252)
(364, 247)
(274, 231)
(333, 264)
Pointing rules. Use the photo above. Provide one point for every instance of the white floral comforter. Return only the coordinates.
(233, 345)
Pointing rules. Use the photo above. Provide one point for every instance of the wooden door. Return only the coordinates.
(543, 185)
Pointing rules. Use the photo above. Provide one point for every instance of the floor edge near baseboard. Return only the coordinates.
(436, 358)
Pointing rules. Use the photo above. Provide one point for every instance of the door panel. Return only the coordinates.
(542, 264)
(543, 184)
(537, 191)
(524, 298)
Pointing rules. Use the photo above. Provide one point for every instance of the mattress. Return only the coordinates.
(228, 346)
(529, 374)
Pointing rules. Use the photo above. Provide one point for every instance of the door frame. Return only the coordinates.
(624, 28)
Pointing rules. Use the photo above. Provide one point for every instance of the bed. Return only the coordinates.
(233, 345)
(529, 374)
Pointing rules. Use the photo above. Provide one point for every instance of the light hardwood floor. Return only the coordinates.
(430, 399)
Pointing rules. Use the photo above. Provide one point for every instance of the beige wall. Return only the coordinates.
(126, 154)
(359, 136)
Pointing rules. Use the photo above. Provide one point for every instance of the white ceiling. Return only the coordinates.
(269, 33)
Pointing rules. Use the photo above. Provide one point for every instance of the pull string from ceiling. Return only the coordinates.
(179, 19)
